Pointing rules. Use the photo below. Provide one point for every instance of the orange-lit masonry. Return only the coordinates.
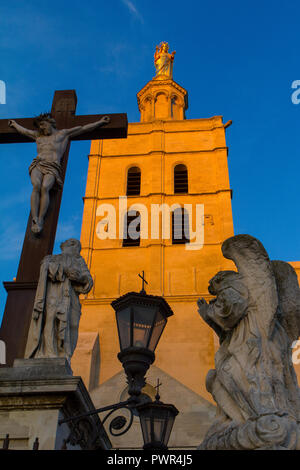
(161, 141)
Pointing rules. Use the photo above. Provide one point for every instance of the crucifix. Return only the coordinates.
(45, 170)
(53, 133)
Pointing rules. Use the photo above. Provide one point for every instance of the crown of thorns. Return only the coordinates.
(44, 117)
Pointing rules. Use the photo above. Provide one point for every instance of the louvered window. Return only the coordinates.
(132, 229)
(180, 227)
(180, 179)
(133, 181)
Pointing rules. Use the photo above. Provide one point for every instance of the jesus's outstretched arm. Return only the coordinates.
(23, 130)
(88, 127)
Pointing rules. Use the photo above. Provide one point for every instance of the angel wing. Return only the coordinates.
(254, 266)
(289, 298)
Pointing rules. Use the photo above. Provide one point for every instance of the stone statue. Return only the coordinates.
(45, 169)
(163, 61)
(57, 310)
(256, 314)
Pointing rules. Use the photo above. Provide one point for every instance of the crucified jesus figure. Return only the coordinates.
(45, 169)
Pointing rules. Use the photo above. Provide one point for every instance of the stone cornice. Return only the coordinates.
(15, 285)
(141, 196)
(159, 84)
(151, 152)
(169, 298)
(139, 127)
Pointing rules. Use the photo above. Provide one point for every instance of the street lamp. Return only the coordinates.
(141, 319)
(157, 421)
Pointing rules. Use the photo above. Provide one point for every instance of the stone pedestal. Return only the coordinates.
(35, 394)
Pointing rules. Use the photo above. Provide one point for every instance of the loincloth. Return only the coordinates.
(47, 168)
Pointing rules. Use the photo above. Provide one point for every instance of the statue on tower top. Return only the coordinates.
(163, 61)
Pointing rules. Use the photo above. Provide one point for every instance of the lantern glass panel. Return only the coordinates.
(146, 429)
(169, 426)
(123, 322)
(159, 425)
(142, 326)
(159, 324)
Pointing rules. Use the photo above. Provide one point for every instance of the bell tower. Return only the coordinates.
(168, 165)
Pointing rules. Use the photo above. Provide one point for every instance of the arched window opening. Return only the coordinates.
(180, 179)
(132, 229)
(133, 181)
(175, 108)
(161, 106)
(180, 227)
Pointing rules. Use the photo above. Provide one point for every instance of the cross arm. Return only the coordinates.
(115, 129)
(23, 130)
(9, 135)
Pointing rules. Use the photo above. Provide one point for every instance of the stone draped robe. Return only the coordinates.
(57, 310)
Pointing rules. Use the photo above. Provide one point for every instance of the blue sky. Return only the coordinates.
(236, 59)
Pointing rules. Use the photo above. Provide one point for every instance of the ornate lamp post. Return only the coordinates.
(141, 319)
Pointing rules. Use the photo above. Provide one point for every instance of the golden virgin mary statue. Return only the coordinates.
(163, 61)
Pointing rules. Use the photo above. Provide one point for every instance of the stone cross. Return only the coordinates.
(21, 293)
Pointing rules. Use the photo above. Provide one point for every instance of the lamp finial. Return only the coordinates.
(157, 396)
(144, 282)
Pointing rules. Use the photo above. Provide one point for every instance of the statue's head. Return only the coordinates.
(45, 123)
(225, 279)
(72, 246)
(164, 46)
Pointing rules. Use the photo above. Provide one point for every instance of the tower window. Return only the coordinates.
(180, 179)
(180, 227)
(132, 229)
(133, 181)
